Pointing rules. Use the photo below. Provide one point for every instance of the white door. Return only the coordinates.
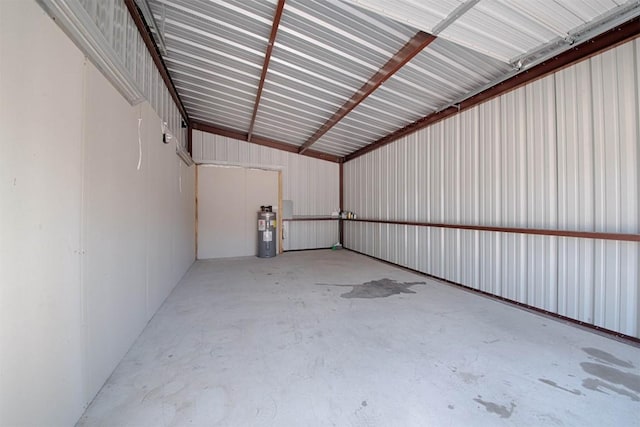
(228, 201)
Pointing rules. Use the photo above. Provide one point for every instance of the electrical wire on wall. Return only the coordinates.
(180, 175)
(139, 144)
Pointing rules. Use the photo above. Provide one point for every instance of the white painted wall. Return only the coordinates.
(89, 245)
(41, 331)
(560, 153)
(312, 184)
(229, 198)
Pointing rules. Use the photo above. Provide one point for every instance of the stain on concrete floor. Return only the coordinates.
(607, 378)
(494, 408)
(553, 384)
(597, 385)
(613, 375)
(377, 288)
(603, 356)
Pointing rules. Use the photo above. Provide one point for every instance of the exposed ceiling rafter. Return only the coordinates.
(143, 5)
(265, 66)
(144, 31)
(453, 16)
(602, 42)
(242, 136)
(414, 46)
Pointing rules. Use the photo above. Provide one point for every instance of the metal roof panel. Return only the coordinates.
(326, 50)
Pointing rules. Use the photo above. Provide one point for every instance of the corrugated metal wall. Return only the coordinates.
(560, 153)
(312, 184)
(114, 22)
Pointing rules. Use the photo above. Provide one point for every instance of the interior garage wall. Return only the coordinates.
(227, 200)
(312, 184)
(90, 245)
(560, 153)
(138, 225)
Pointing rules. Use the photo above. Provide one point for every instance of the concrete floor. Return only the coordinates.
(271, 342)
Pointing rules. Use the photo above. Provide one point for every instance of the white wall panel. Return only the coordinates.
(114, 24)
(41, 331)
(114, 231)
(228, 201)
(135, 247)
(90, 245)
(138, 225)
(559, 153)
(311, 184)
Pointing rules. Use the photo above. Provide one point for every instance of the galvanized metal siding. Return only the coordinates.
(599, 157)
(324, 52)
(215, 52)
(310, 235)
(310, 183)
(503, 29)
(432, 80)
(114, 22)
(560, 153)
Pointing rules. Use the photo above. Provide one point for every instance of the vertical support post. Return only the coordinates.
(340, 222)
(196, 211)
(280, 222)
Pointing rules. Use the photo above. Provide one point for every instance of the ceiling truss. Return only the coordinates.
(558, 55)
(404, 55)
(265, 66)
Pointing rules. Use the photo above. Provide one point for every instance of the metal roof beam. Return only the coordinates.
(453, 16)
(143, 5)
(591, 47)
(144, 31)
(278, 145)
(414, 46)
(265, 66)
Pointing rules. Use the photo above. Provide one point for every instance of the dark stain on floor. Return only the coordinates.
(603, 356)
(378, 288)
(494, 408)
(613, 375)
(553, 384)
(597, 385)
(606, 378)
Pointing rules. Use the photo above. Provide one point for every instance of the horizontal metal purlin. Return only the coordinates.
(258, 140)
(621, 237)
(157, 59)
(319, 218)
(453, 16)
(607, 40)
